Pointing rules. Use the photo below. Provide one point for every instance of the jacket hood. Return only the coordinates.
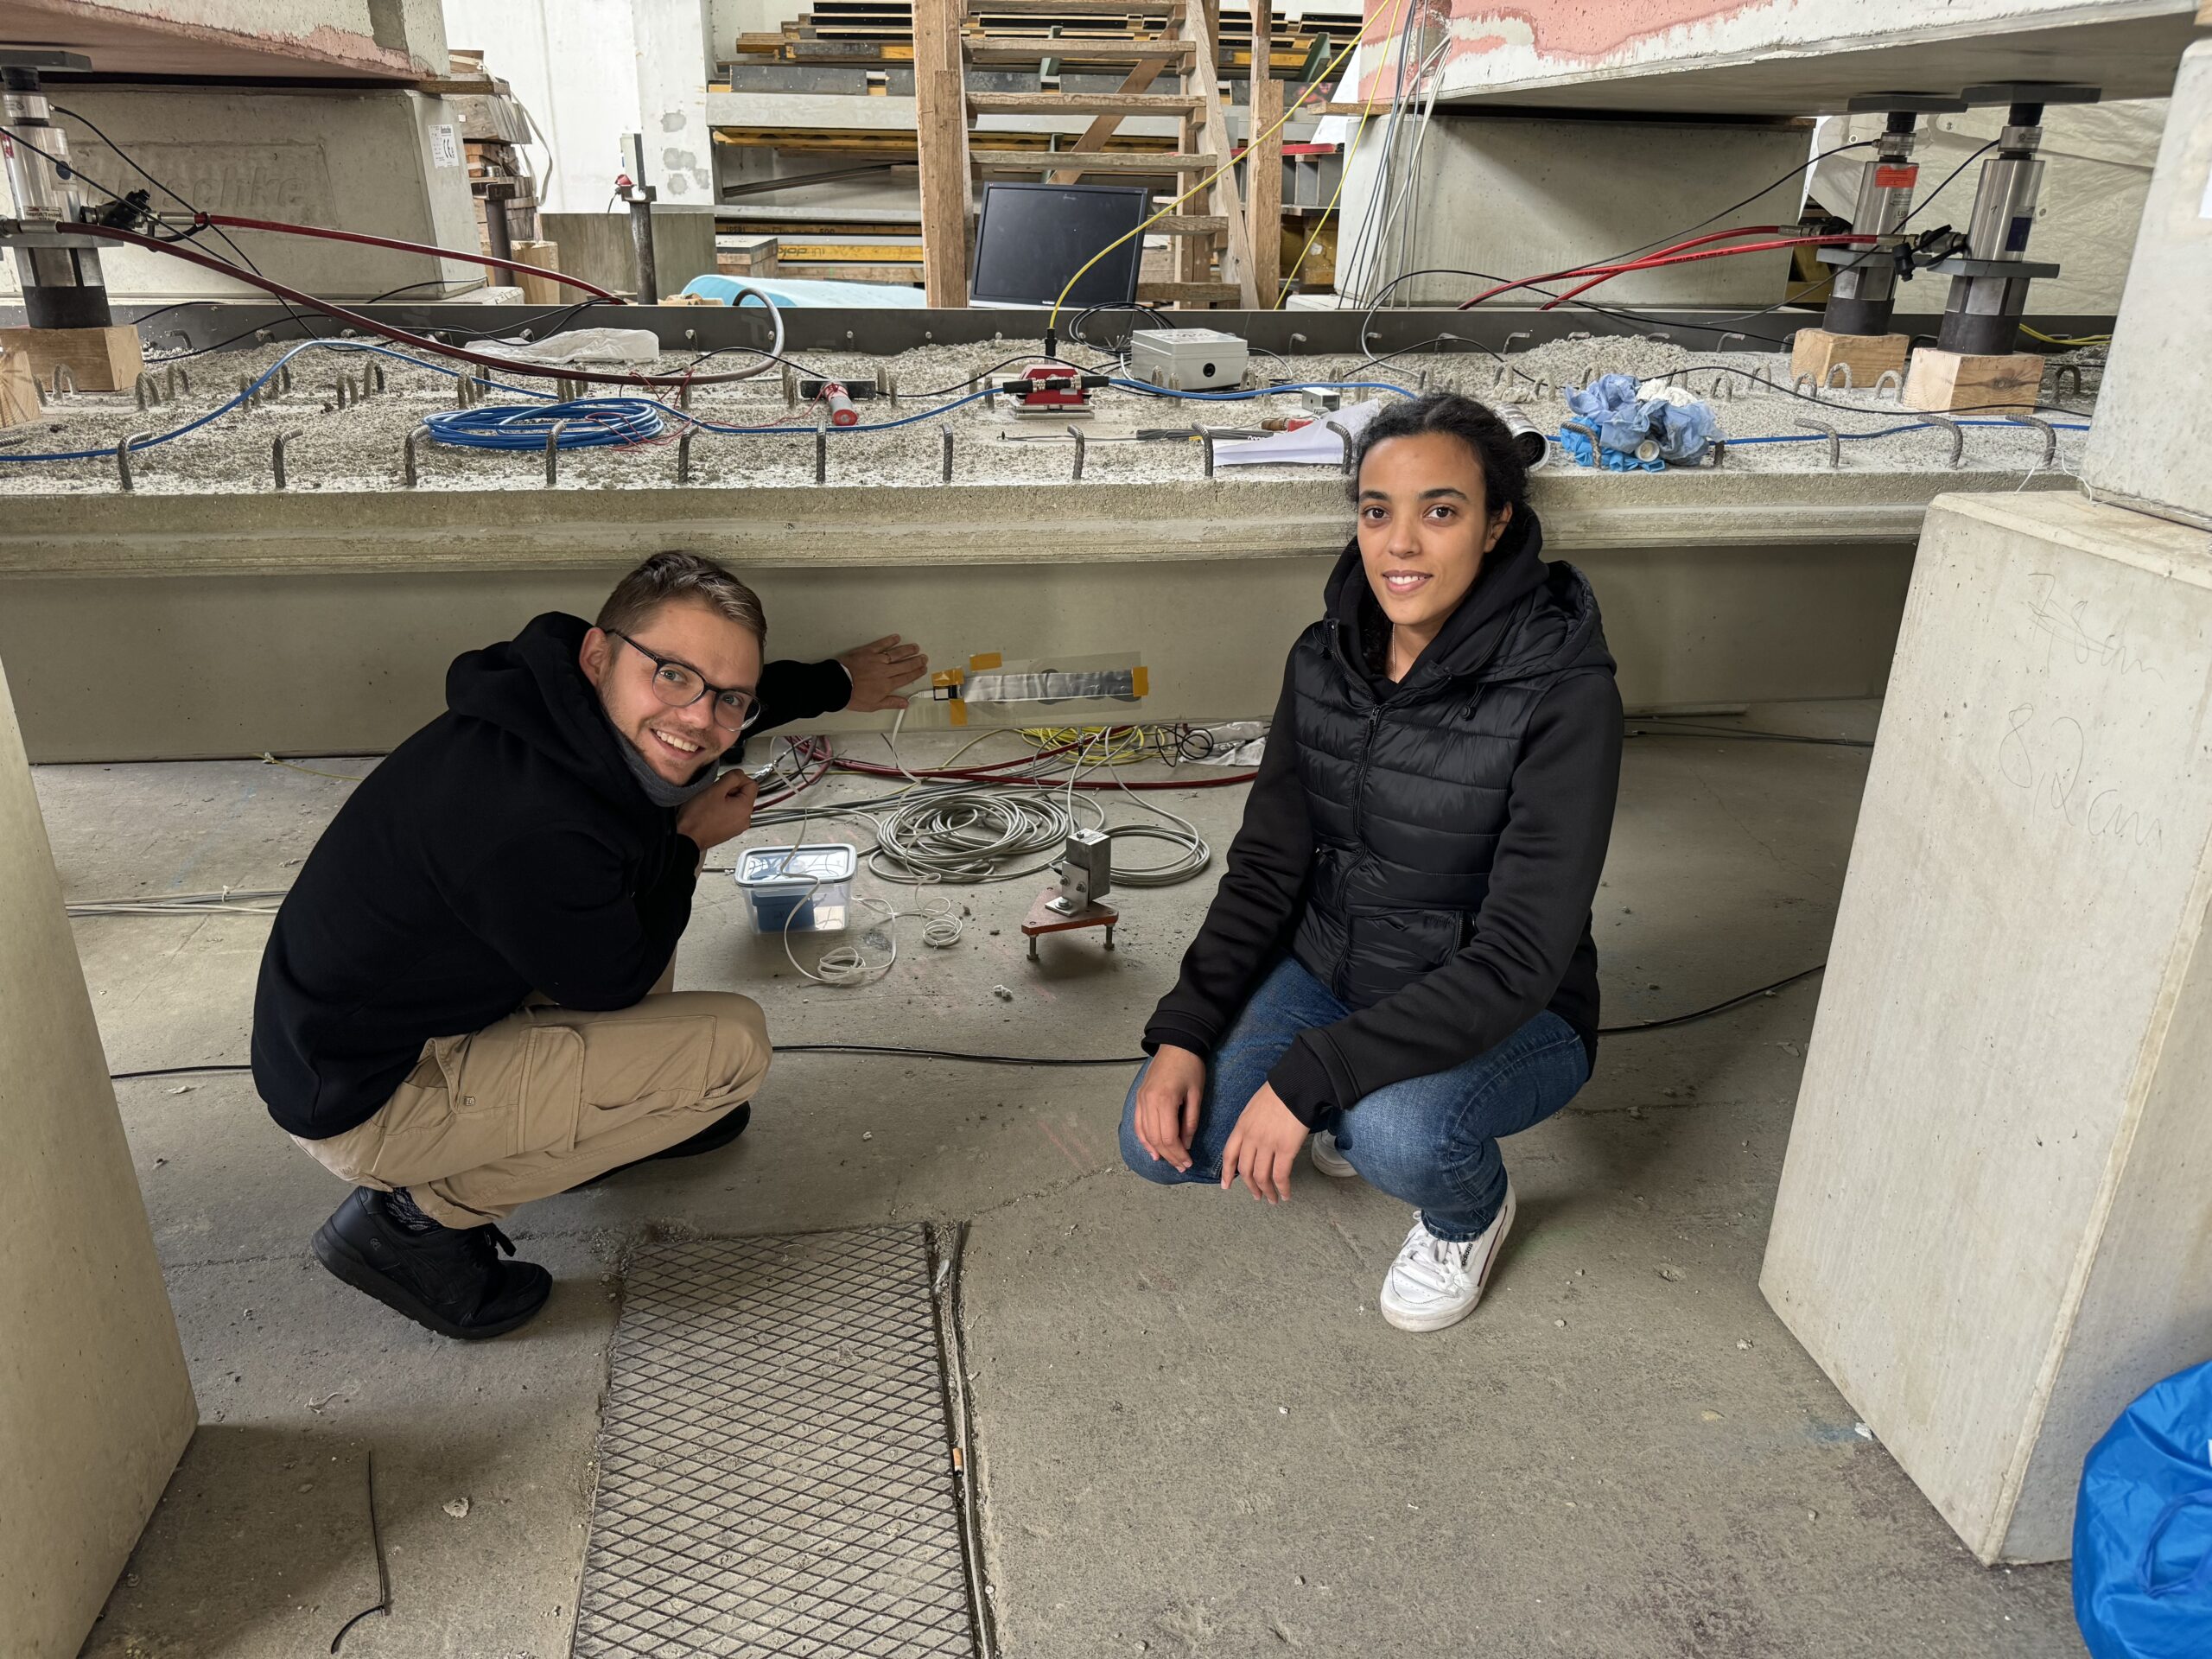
(532, 686)
(1525, 616)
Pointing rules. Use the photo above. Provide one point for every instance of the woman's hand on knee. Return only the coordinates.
(1263, 1146)
(1167, 1104)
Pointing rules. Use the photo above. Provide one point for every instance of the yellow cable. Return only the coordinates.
(2065, 340)
(1283, 287)
(1053, 321)
(1128, 745)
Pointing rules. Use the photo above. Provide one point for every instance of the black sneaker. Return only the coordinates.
(716, 1136)
(451, 1279)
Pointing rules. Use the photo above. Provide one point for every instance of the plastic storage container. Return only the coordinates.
(800, 889)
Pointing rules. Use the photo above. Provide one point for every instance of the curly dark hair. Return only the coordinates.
(1505, 475)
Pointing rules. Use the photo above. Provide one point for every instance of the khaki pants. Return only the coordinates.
(549, 1097)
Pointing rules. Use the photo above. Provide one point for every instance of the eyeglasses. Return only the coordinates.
(680, 685)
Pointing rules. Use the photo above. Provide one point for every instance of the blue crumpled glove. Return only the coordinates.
(1626, 415)
(1613, 461)
(1684, 426)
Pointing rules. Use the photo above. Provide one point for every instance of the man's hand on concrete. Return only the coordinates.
(879, 669)
(720, 814)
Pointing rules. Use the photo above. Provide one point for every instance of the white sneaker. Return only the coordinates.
(1328, 1160)
(1435, 1281)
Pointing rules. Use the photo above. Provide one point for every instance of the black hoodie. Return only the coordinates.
(1527, 629)
(504, 849)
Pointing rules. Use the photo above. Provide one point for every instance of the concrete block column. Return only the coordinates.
(95, 1404)
(2152, 445)
(1994, 1226)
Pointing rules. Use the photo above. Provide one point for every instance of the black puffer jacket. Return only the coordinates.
(1426, 848)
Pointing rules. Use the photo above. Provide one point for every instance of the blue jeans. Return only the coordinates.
(1430, 1140)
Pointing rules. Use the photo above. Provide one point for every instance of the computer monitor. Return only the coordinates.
(1030, 238)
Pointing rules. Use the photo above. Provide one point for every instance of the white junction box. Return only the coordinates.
(1187, 360)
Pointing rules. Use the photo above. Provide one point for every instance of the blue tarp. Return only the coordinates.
(790, 295)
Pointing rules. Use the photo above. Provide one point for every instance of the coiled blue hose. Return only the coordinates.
(591, 423)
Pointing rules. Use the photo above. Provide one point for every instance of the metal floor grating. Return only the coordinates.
(774, 1473)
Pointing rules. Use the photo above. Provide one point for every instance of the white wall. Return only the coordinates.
(1519, 194)
(589, 71)
(358, 160)
(731, 18)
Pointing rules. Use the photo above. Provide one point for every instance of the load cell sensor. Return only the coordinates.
(1052, 391)
(63, 287)
(1990, 275)
(1862, 295)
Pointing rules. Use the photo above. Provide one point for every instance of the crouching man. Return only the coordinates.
(464, 1003)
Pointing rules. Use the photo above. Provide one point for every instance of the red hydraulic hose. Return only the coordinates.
(1655, 263)
(420, 342)
(964, 774)
(233, 222)
(1657, 256)
(1585, 269)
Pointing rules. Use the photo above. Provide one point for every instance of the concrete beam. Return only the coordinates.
(195, 665)
(1796, 57)
(957, 525)
(309, 39)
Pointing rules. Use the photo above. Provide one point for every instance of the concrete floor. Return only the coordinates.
(1195, 1433)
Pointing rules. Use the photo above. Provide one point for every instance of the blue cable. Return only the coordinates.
(976, 396)
(1262, 392)
(1892, 431)
(802, 431)
(262, 379)
(592, 423)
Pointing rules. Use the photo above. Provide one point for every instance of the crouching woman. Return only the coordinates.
(1398, 962)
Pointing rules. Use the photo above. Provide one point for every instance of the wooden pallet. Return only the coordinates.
(1181, 44)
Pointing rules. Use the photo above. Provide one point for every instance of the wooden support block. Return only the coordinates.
(1869, 356)
(543, 291)
(18, 389)
(751, 255)
(1940, 379)
(1190, 292)
(98, 359)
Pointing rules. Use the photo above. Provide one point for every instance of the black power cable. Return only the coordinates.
(901, 1051)
(1803, 166)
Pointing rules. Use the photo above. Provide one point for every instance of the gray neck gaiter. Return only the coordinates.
(657, 789)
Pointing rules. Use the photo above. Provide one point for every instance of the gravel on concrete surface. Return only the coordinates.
(358, 448)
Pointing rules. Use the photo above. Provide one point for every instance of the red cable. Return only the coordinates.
(1671, 254)
(421, 343)
(806, 781)
(1710, 254)
(234, 222)
(989, 775)
(1585, 269)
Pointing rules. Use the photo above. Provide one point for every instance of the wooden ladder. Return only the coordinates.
(1245, 237)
